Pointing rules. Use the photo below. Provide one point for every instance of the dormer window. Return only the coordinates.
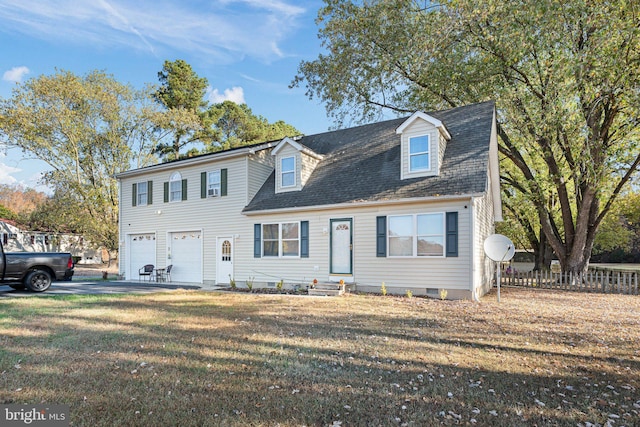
(294, 165)
(419, 156)
(423, 141)
(288, 171)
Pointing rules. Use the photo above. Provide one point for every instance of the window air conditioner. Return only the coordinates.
(213, 192)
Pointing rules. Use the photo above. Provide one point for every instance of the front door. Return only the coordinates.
(341, 258)
(224, 260)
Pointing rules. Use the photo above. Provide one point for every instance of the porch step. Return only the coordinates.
(327, 289)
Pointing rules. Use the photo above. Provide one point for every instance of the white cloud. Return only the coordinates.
(15, 74)
(235, 94)
(5, 173)
(223, 30)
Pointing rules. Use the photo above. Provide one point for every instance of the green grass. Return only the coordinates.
(192, 358)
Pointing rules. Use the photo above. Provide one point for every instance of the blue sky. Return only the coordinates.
(249, 51)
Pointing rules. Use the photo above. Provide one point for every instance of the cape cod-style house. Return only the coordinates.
(407, 202)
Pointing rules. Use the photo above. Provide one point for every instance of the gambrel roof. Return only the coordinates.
(363, 164)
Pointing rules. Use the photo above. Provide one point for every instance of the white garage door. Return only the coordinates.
(186, 256)
(142, 251)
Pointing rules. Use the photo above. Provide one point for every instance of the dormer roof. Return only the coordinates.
(419, 115)
(297, 145)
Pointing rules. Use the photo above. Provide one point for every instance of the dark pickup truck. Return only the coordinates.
(34, 270)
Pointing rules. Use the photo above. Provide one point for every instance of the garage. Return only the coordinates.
(185, 253)
(142, 251)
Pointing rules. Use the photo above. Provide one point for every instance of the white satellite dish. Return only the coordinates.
(499, 248)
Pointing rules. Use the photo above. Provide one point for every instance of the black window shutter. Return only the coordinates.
(257, 240)
(452, 234)
(150, 192)
(381, 236)
(223, 182)
(304, 239)
(134, 194)
(166, 192)
(203, 185)
(184, 189)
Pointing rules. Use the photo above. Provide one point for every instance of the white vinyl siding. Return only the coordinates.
(369, 271)
(259, 166)
(221, 219)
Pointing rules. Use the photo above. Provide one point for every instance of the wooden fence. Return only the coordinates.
(610, 282)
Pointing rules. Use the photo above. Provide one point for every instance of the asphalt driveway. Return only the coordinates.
(97, 287)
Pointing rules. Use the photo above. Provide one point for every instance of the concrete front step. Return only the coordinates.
(327, 289)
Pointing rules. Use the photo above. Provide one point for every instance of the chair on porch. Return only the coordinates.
(164, 274)
(147, 271)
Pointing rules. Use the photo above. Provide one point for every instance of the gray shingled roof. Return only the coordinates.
(363, 164)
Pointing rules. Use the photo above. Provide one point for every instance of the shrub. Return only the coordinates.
(383, 289)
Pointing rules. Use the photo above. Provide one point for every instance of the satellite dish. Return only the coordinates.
(499, 248)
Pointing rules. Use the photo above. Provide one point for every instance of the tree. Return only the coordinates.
(618, 238)
(6, 213)
(565, 76)
(22, 200)
(181, 94)
(236, 125)
(87, 129)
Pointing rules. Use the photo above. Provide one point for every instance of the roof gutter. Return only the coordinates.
(361, 204)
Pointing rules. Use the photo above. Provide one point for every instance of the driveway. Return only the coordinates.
(99, 287)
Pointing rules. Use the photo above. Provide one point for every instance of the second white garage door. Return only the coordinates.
(186, 256)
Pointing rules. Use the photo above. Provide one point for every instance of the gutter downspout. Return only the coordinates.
(474, 295)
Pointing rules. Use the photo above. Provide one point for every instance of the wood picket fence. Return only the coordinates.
(603, 281)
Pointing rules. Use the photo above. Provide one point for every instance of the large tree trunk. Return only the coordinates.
(543, 254)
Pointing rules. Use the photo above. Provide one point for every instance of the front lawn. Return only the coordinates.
(190, 358)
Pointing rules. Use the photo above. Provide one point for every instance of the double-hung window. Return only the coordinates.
(175, 187)
(213, 184)
(288, 171)
(420, 235)
(143, 192)
(281, 240)
(419, 158)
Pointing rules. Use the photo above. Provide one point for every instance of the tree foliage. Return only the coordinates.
(184, 119)
(565, 75)
(187, 119)
(21, 200)
(87, 129)
(236, 125)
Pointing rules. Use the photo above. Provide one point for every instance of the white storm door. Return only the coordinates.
(224, 260)
(186, 256)
(142, 251)
(341, 246)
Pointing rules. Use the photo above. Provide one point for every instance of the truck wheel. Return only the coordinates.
(38, 280)
(17, 286)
